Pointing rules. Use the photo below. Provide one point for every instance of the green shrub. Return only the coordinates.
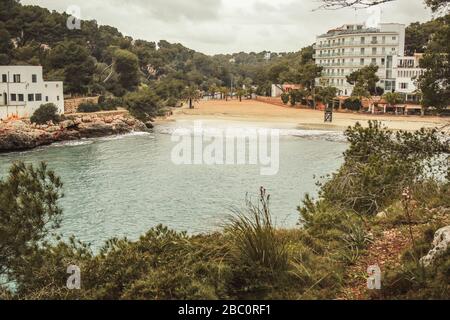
(143, 104)
(285, 98)
(88, 107)
(255, 238)
(379, 164)
(104, 105)
(172, 102)
(111, 104)
(45, 113)
(353, 104)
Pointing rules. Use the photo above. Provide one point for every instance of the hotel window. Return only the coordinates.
(374, 61)
(374, 40)
(384, 39)
(394, 38)
(20, 96)
(16, 78)
(4, 78)
(383, 61)
(403, 85)
(34, 78)
(363, 40)
(46, 98)
(31, 97)
(57, 98)
(38, 97)
(13, 97)
(363, 50)
(361, 62)
(374, 50)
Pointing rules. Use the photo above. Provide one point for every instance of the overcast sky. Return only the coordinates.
(227, 26)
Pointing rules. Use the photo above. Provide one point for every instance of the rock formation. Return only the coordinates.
(22, 135)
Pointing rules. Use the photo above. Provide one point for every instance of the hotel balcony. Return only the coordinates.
(357, 44)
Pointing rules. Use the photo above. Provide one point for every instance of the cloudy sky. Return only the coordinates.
(226, 26)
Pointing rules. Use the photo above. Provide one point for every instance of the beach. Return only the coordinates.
(257, 111)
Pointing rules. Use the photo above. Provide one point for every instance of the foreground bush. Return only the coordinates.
(45, 113)
(380, 163)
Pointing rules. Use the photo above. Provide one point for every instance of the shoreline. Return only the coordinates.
(262, 112)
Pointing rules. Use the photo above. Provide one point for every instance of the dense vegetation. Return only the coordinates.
(100, 60)
(251, 258)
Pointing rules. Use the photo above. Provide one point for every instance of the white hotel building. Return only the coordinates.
(23, 90)
(346, 49)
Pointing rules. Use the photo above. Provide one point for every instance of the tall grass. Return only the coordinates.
(254, 235)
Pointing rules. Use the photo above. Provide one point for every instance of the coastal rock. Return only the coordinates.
(22, 135)
(382, 215)
(68, 124)
(440, 245)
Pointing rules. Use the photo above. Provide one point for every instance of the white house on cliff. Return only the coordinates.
(23, 90)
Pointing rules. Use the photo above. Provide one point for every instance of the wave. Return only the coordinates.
(236, 131)
(72, 143)
(122, 136)
(88, 141)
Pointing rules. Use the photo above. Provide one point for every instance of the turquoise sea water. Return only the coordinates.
(124, 185)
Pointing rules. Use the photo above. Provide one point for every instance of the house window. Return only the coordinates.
(34, 78)
(46, 98)
(404, 85)
(4, 78)
(31, 97)
(16, 78)
(38, 97)
(13, 97)
(21, 98)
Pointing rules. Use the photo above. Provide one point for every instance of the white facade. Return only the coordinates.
(407, 71)
(277, 90)
(23, 90)
(349, 48)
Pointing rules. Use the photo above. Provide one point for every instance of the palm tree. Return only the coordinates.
(240, 93)
(225, 92)
(191, 94)
(213, 90)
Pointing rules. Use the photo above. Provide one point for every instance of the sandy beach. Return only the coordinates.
(256, 111)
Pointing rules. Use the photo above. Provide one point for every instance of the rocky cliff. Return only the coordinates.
(22, 135)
